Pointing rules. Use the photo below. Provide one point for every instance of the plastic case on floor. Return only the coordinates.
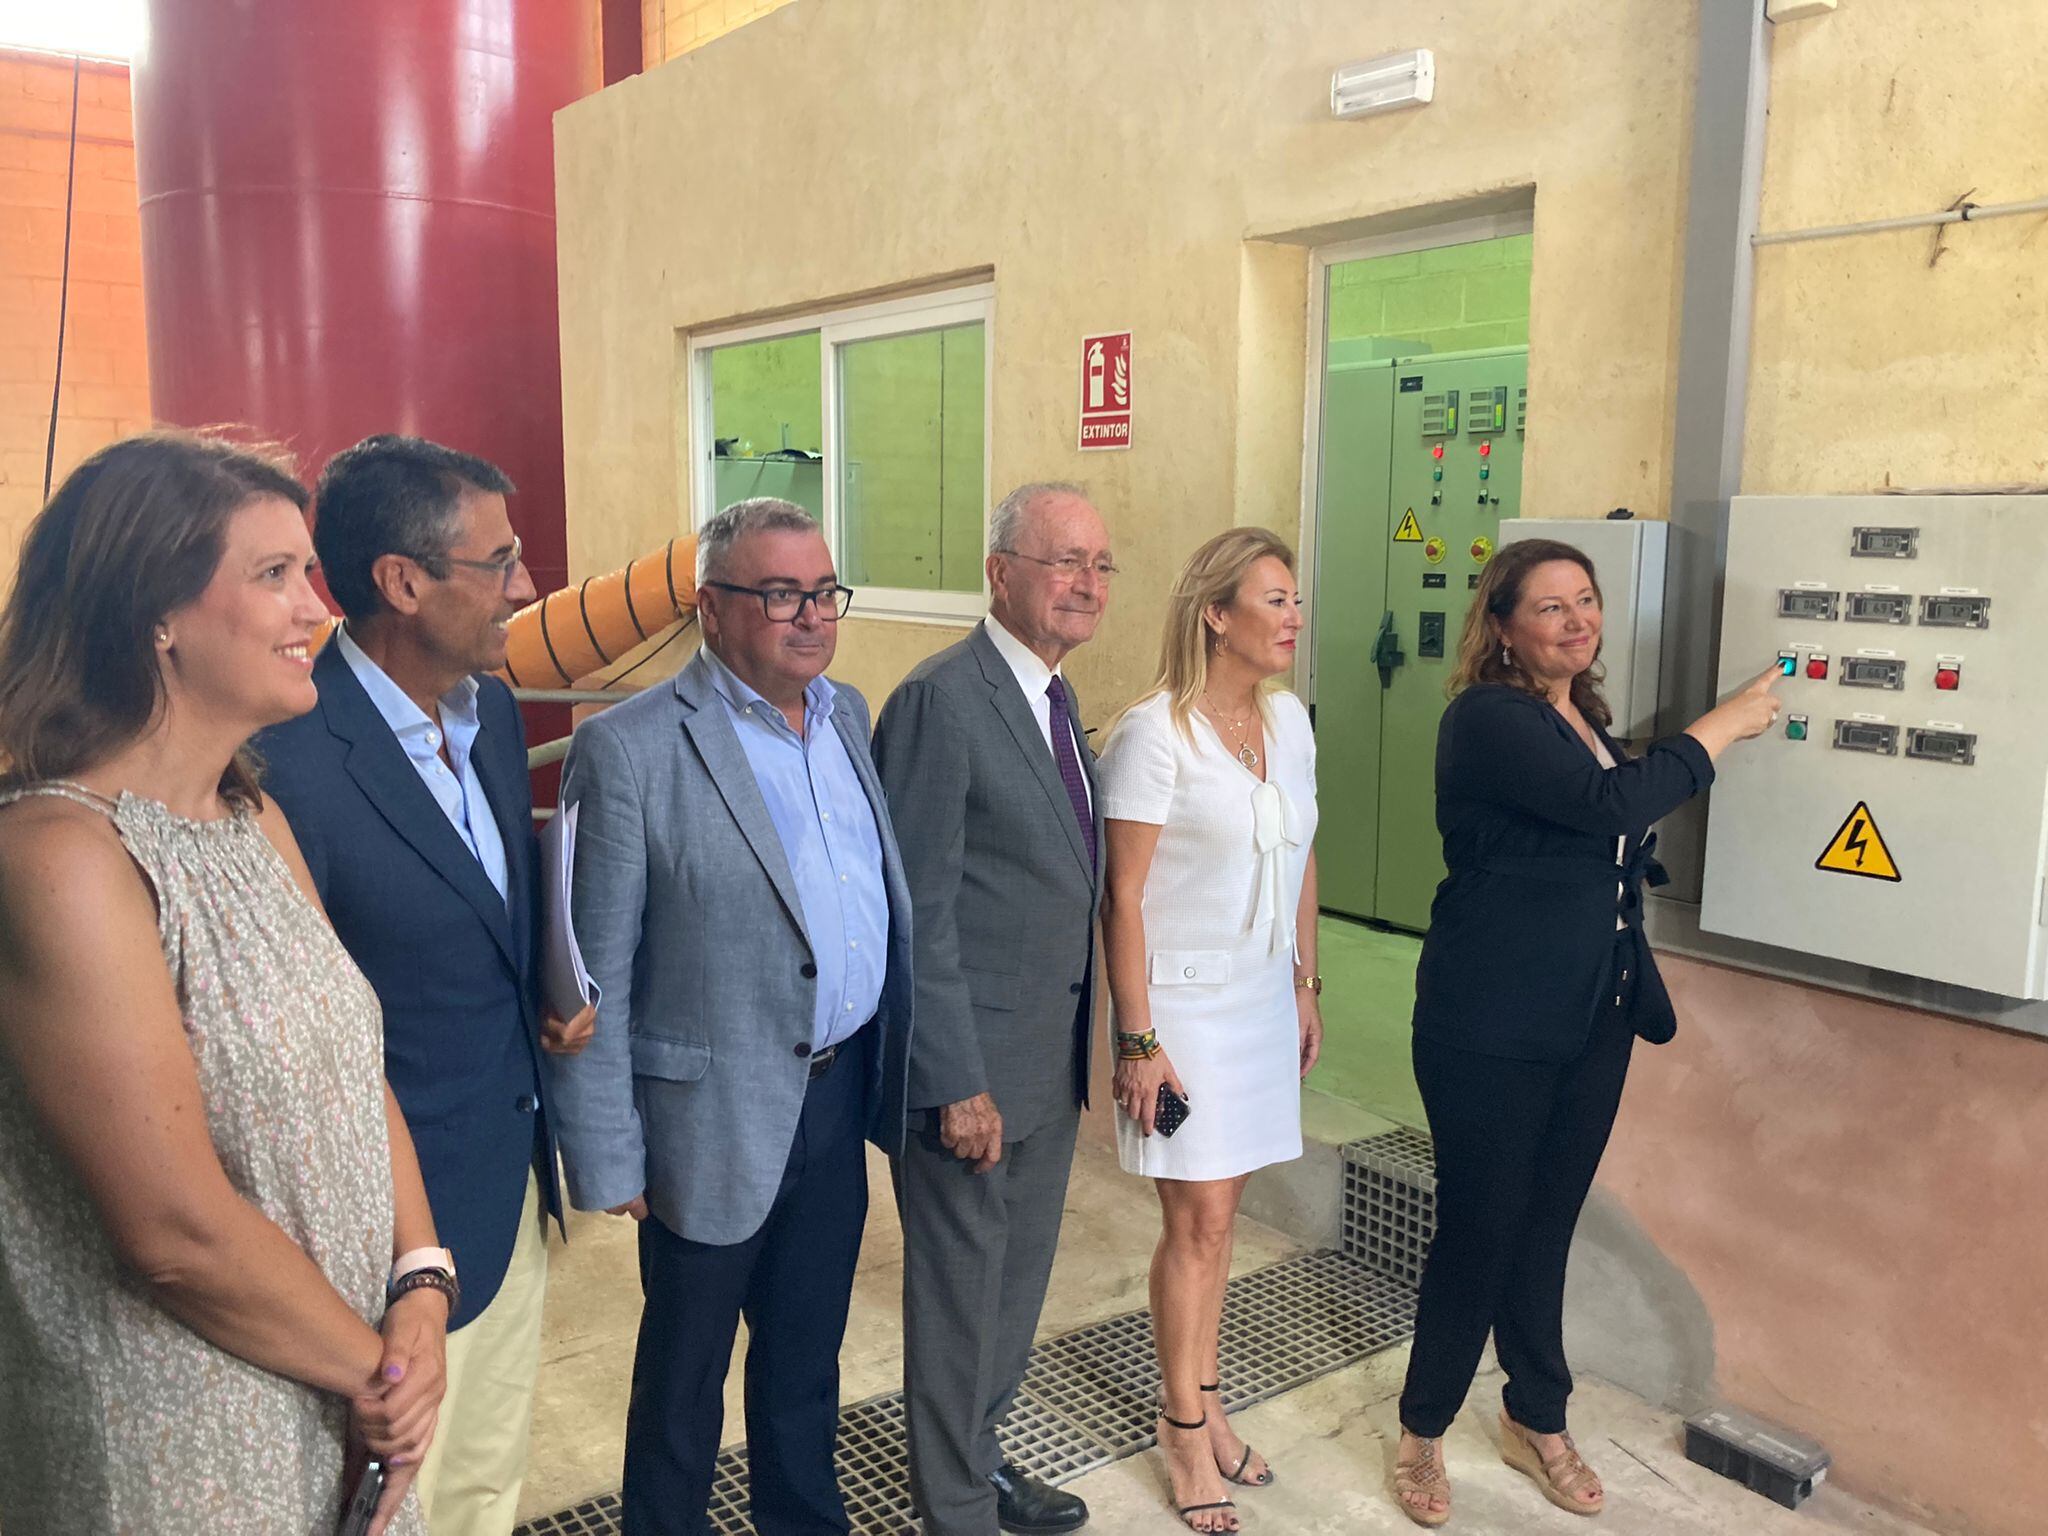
(1781, 1464)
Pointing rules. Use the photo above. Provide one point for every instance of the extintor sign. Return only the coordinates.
(1106, 390)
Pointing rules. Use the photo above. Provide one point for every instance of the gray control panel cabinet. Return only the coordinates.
(1895, 817)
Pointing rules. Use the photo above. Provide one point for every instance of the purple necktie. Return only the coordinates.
(1070, 763)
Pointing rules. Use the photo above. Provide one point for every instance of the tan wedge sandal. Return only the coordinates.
(1426, 1477)
(1562, 1478)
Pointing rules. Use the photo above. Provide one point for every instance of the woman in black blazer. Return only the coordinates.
(1534, 982)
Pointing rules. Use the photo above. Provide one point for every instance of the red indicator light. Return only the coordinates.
(1485, 449)
(1817, 668)
(1437, 452)
(1948, 679)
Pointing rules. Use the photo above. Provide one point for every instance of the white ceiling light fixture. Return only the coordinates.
(1383, 84)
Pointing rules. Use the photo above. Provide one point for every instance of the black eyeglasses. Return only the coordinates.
(782, 605)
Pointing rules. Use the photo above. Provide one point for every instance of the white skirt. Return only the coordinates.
(1227, 1021)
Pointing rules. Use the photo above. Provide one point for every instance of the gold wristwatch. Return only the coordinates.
(1313, 983)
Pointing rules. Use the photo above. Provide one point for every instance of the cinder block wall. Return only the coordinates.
(670, 27)
(106, 369)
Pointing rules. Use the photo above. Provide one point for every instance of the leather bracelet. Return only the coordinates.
(1139, 1047)
(424, 1280)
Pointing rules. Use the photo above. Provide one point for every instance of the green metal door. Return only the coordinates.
(1358, 404)
(1450, 457)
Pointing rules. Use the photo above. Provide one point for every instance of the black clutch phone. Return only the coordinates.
(362, 1508)
(1172, 1113)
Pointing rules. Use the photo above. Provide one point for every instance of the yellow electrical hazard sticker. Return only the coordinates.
(1433, 549)
(1858, 849)
(1410, 531)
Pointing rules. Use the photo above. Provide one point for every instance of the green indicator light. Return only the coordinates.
(1436, 474)
(1484, 472)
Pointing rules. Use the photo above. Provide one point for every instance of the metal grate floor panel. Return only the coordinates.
(1389, 1213)
(1090, 1396)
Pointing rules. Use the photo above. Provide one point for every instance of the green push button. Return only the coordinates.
(1795, 728)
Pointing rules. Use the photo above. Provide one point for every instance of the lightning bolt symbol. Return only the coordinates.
(1855, 842)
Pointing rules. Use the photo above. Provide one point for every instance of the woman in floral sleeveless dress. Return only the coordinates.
(202, 1178)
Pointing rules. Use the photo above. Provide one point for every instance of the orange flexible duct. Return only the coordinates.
(569, 634)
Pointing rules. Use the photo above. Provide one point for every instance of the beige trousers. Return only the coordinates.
(469, 1484)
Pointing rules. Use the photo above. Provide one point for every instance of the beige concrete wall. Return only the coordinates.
(1164, 164)
(1871, 366)
(1108, 164)
(1855, 1190)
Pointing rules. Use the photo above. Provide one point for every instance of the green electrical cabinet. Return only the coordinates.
(1422, 458)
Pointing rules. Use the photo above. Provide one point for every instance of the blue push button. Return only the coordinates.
(1788, 663)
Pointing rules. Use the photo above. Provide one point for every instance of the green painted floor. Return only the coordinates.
(1368, 996)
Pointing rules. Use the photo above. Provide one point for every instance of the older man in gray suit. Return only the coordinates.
(739, 899)
(985, 763)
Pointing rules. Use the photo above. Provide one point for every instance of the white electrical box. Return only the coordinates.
(1895, 816)
(1628, 560)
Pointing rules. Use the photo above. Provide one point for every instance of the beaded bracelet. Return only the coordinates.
(1136, 1047)
(425, 1280)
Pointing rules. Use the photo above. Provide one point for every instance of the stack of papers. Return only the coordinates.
(565, 985)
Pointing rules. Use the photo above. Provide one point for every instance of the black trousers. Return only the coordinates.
(1517, 1144)
(793, 1281)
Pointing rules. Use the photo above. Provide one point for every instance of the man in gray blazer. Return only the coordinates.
(739, 900)
(984, 760)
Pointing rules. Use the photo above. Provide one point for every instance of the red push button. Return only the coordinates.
(1948, 679)
(1817, 668)
(1437, 452)
(1485, 449)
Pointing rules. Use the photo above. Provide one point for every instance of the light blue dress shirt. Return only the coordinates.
(459, 793)
(828, 835)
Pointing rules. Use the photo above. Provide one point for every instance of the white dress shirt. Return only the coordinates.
(459, 793)
(1034, 677)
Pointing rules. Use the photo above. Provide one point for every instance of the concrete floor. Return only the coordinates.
(1331, 1445)
(593, 1316)
(1331, 1442)
(1368, 1006)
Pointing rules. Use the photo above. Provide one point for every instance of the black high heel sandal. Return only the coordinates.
(1184, 1510)
(1243, 1461)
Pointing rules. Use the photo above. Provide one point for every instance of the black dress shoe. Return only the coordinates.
(1028, 1507)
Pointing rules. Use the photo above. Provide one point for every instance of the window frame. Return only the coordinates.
(905, 316)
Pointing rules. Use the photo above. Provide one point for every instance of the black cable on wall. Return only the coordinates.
(63, 282)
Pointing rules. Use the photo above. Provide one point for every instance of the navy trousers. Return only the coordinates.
(1517, 1145)
(793, 1282)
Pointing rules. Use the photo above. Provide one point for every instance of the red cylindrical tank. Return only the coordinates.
(348, 225)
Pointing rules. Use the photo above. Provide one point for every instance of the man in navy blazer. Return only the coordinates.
(407, 789)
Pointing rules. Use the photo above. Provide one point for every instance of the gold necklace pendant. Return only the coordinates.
(1245, 754)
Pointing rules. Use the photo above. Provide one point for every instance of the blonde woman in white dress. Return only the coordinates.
(1209, 930)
